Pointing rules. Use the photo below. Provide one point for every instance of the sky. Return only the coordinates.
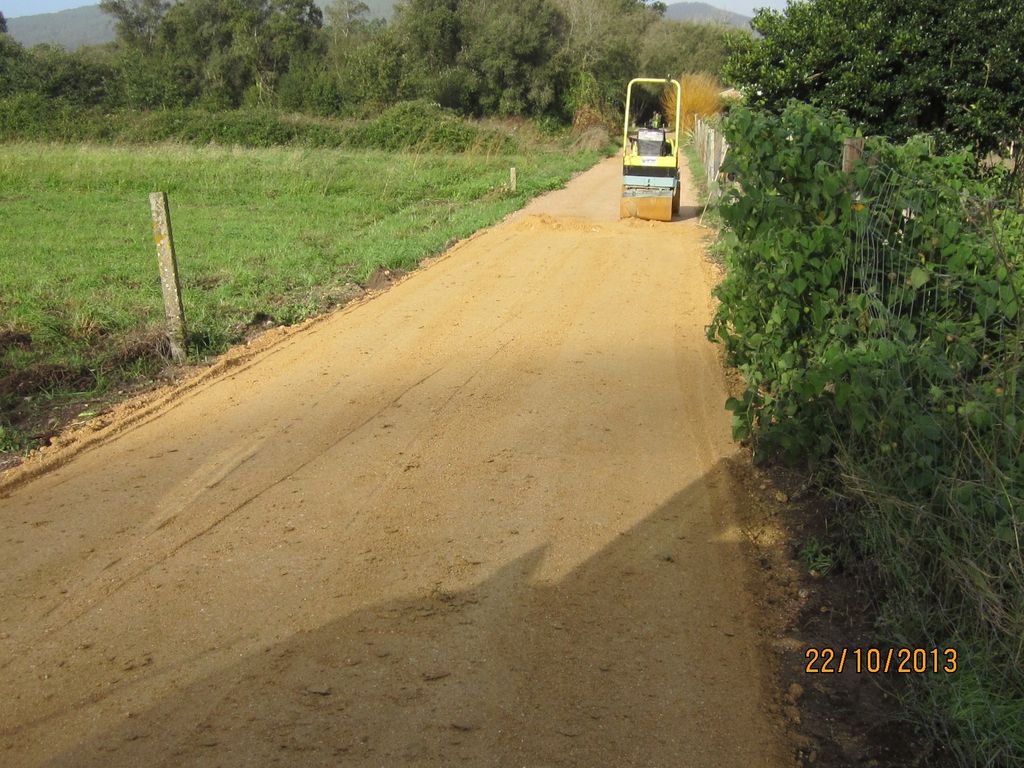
(14, 8)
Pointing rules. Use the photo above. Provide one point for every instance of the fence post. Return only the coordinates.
(173, 310)
(709, 149)
(852, 151)
(512, 178)
(718, 153)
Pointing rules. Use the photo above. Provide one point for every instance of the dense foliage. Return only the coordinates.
(221, 53)
(538, 58)
(412, 125)
(952, 68)
(137, 21)
(678, 47)
(481, 57)
(876, 317)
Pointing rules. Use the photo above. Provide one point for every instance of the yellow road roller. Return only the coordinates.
(650, 161)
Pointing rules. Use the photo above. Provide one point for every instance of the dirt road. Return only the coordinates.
(480, 519)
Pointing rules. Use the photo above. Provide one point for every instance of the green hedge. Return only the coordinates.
(876, 317)
(409, 125)
(425, 126)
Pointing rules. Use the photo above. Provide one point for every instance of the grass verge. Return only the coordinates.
(264, 236)
(709, 213)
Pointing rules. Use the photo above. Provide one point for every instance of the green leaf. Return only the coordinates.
(918, 277)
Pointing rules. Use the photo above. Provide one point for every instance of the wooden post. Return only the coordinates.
(173, 310)
(716, 164)
(852, 151)
(718, 153)
(709, 149)
(512, 180)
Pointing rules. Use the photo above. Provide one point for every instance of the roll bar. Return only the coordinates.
(629, 94)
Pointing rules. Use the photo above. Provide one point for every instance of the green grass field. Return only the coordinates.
(261, 234)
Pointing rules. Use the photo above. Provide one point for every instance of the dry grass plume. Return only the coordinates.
(701, 96)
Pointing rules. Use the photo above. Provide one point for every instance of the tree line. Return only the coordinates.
(534, 58)
(952, 69)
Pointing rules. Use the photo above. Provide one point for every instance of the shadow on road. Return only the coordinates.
(640, 656)
(687, 212)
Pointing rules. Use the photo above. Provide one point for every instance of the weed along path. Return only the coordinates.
(481, 519)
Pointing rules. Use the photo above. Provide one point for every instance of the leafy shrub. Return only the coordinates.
(320, 135)
(311, 90)
(33, 116)
(482, 57)
(421, 125)
(899, 67)
(409, 125)
(25, 115)
(151, 82)
(256, 128)
(587, 118)
(876, 317)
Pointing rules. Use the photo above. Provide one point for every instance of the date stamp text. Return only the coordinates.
(881, 660)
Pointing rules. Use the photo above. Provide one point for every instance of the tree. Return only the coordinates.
(483, 57)
(137, 20)
(71, 76)
(15, 71)
(678, 47)
(345, 18)
(604, 43)
(3, 24)
(512, 52)
(79, 77)
(289, 28)
(359, 65)
(235, 49)
(899, 67)
(431, 31)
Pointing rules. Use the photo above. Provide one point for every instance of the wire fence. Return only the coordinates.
(872, 301)
(934, 283)
(711, 148)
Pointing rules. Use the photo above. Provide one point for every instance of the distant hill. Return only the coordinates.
(70, 29)
(89, 26)
(704, 13)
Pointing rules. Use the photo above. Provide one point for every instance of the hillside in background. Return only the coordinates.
(89, 26)
(704, 13)
(70, 29)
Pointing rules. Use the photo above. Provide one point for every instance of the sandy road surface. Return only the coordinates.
(480, 519)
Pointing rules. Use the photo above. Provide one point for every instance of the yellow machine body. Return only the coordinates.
(650, 163)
